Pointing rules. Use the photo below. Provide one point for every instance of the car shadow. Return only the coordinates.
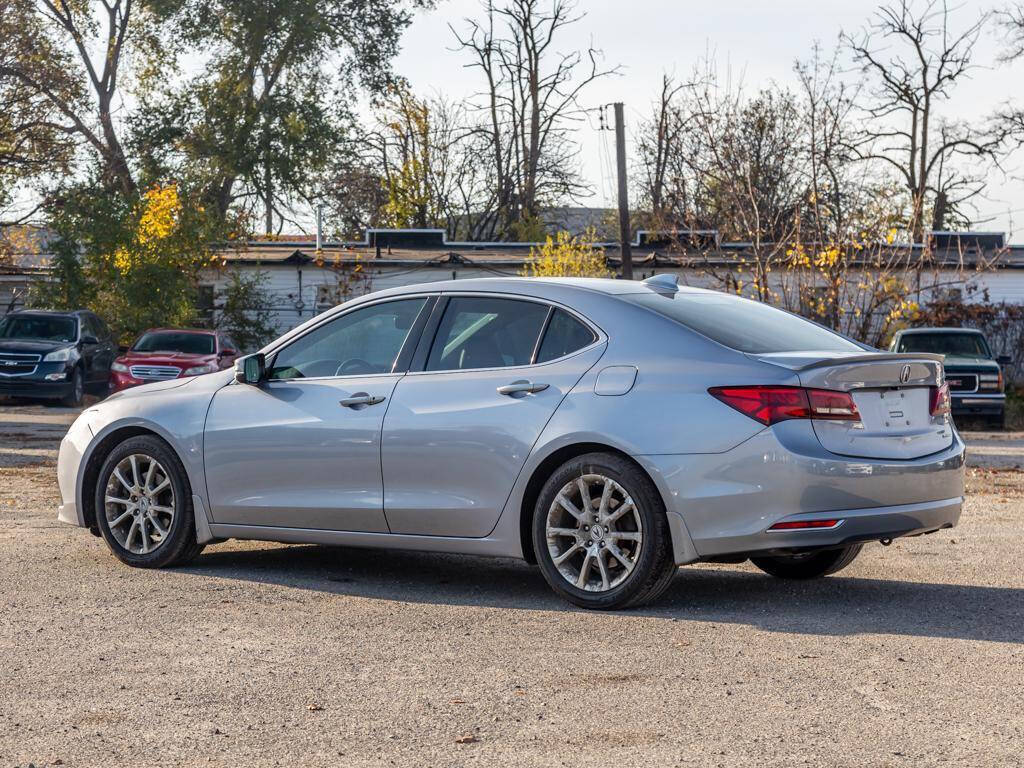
(836, 606)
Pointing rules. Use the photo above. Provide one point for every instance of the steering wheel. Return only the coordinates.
(354, 365)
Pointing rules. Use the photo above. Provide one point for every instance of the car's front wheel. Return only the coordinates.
(73, 398)
(810, 565)
(601, 535)
(144, 505)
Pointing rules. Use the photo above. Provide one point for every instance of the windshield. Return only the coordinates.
(743, 324)
(175, 341)
(959, 344)
(44, 327)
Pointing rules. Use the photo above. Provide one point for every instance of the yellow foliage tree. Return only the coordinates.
(566, 255)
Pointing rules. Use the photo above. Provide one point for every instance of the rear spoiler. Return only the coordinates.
(878, 357)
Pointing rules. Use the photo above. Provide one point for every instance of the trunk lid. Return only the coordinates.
(892, 393)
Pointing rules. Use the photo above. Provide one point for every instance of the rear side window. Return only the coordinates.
(565, 335)
(743, 324)
(484, 332)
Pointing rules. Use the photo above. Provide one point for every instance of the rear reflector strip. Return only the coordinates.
(796, 525)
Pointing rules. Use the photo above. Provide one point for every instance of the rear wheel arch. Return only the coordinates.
(544, 470)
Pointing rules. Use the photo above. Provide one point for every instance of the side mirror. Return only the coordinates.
(88, 338)
(1004, 360)
(122, 348)
(227, 353)
(251, 369)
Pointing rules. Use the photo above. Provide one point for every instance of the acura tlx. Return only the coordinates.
(606, 430)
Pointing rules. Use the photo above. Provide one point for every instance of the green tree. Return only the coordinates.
(246, 313)
(263, 121)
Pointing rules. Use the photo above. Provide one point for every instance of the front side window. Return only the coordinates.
(565, 335)
(359, 343)
(484, 332)
(45, 327)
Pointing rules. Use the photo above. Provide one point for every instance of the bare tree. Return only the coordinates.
(530, 99)
(662, 183)
(914, 59)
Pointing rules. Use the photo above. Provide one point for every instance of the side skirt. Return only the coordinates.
(487, 547)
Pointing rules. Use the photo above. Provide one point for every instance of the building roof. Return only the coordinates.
(650, 250)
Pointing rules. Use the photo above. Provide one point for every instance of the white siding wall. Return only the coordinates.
(283, 284)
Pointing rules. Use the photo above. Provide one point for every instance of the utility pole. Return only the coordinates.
(620, 156)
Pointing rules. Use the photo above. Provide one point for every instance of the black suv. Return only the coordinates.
(54, 355)
(974, 374)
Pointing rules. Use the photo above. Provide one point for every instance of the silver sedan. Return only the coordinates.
(608, 431)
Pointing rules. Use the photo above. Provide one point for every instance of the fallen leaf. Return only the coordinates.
(469, 738)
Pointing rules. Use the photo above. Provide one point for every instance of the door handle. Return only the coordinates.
(361, 398)
(521, 386)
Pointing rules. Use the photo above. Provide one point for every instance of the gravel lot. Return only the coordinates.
(265, 654)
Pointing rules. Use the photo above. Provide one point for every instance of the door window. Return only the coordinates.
(484, 332)
(359, 343)
(565, 335)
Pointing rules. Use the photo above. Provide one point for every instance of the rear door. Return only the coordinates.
(458, 431)
(893, 394)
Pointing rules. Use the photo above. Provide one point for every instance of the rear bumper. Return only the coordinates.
(728, 501)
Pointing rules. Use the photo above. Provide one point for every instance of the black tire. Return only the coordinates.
(812, 565)
(180, 545)
(653, 567)
(997, 422)
(73, 399)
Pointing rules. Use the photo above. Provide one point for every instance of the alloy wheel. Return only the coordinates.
(594, 533)
(139, 504)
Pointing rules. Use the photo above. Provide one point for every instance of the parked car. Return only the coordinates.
(974, 374)
(607, 430)
(54, 356)
(172, 353)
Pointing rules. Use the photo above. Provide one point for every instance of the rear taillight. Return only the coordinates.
(940, 404)
(770, 405)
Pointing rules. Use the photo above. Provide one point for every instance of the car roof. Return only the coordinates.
(912, 331)
(521, 285)
(203, 331)
(51, 312)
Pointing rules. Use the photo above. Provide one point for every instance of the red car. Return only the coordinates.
(170, 353)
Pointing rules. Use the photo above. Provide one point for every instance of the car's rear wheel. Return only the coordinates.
(809, 565)
(144, 505)
(601, 535)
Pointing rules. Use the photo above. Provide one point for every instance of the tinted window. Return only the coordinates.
(486, 333)
(963, 344)
(361, 342)
(175, 341)
(565, 334)
(743, 324)
(45, 327)
(91, 326)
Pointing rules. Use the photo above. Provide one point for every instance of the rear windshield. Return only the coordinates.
(39, 327)
(962, 344)
(173, 341)
(743, 324)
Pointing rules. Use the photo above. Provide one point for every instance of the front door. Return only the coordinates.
(302, 450)
(457, 434)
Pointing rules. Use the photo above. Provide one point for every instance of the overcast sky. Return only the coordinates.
(757, 41)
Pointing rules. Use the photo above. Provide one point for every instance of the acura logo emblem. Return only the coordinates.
(905, 374)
